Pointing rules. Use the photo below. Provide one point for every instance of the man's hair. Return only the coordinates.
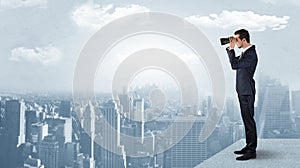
(243, 34)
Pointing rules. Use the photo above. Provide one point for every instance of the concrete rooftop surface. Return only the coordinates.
(271, 153)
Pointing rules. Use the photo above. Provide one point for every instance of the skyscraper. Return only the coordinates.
(14, 133)
(15, 120)
(296, 102)
(61, 128)
(88, 135)
(65, 109)
(31, 118)
(38, 132)
(110, 114)
(274, 110)
(49, 152)
(188, 152)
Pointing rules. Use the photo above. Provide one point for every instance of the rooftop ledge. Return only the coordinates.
(271, 153)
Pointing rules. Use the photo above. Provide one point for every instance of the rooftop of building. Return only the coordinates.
(271, 153)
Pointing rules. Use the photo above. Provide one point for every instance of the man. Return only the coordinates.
(245, 66)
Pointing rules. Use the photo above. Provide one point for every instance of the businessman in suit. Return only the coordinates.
(245, 65)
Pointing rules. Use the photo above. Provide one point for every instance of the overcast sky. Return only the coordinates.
(40, 40)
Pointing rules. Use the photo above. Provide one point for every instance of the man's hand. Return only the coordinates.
(232, 42)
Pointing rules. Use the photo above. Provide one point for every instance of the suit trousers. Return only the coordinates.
(247, 112)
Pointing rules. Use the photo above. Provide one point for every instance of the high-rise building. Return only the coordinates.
(49, 152)
(14, 134)
(296, 102)
(297, 120)
(189, 151)
(15, 120)
(61, 128)
(88, 135)
(110, 113)
(65, 109)
(70, 154)
(31, 118)
(38, 132)
(125, 102)
(274, 110)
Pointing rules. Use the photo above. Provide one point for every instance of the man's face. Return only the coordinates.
(238, 41)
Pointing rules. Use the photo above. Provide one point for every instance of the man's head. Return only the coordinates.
(242, 37)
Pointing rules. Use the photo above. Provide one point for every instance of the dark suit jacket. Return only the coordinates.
(245, 68)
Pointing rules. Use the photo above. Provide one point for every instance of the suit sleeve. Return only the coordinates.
(237, 63)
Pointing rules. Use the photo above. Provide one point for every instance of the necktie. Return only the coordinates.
(241, 55)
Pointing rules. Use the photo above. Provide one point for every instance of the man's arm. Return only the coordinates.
(237, 63)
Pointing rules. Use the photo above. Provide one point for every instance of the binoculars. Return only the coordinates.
(224, 41)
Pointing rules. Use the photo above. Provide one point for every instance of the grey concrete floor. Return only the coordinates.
(271, 153)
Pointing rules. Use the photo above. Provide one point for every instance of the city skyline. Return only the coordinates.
(54, 128)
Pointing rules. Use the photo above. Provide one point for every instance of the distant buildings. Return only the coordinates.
(43, 137)
(274, 113)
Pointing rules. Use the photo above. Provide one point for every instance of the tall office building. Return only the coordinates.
(125, 102)
(65, 109)
(71, 153)
(274, 110)
(15, 120)
(49, 152)
(188, 152)
(110, 113)
(31, 118)
(61, 128)
(14, 134)
(263, 83)
(296, 102)
(38, 132)
(88, 135)
(297, 120)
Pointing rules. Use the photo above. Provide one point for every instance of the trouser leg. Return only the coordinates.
(247, 112)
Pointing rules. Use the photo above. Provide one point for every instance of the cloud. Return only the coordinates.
(280, 2)
(95, 16)
(12, 4)
(239, 19)
(272, 2)
(45, 55)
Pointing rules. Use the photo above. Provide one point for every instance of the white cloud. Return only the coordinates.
(11, 4)
(239, 19)
(280, 2)
(95, 16)
(45, 55)
(272, 2)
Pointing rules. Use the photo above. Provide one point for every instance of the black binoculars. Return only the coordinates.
(224, 41)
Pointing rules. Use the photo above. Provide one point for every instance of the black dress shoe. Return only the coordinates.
(248, 155)
(241, 152)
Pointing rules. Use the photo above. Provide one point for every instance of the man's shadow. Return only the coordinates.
(268, 154)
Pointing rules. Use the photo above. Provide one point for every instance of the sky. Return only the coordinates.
(40, 40)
